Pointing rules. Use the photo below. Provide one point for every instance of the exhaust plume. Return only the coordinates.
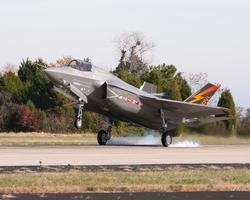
(151, 139)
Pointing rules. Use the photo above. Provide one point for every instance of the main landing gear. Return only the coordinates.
(166, 137)
(103, 136)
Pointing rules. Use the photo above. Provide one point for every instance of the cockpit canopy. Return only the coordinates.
(80, 65)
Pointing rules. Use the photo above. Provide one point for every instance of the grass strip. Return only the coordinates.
(10, 139)
(174, 179)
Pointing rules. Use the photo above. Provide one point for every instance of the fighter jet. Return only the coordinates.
(93, 89)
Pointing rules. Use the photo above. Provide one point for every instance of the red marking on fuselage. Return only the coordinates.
(130, 100)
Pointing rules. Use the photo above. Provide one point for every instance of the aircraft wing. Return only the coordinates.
(189, 113)
(178, 112)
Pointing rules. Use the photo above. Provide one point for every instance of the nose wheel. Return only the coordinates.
(78, 123)
(166, 139)
(78, 120)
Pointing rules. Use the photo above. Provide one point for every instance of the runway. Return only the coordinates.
(121, 155)
(130, 196)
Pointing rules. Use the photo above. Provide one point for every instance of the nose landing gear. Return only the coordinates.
(78, 120)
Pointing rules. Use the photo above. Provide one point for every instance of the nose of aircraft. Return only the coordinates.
(52, 74)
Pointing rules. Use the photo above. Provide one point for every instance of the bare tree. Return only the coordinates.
(240, 112)
(61, 61)
(9, 68)
(133, 48)
(198, 80)
(245, 120)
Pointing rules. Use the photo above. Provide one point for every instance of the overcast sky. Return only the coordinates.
(211, 36)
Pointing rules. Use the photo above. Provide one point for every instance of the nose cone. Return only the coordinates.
(53, 74)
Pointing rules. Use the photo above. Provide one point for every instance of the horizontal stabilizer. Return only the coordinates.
(202, 121)
(148, 87)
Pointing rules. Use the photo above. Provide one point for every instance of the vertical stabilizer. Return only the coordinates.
(203, 95)
(148, 87)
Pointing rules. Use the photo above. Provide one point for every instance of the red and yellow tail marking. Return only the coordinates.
(201, 96)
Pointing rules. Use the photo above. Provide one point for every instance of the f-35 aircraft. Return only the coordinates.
(93, 89)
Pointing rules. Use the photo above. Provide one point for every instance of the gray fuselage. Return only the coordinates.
(110, 96)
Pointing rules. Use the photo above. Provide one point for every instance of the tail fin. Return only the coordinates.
(203, 95)
(148, 87)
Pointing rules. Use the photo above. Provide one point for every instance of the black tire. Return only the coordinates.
(102, 137)
(166, 139)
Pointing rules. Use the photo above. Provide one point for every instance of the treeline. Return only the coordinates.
(28, 103)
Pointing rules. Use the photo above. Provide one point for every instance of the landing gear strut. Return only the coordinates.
(166, 138)
(103, 136)
(78, 120)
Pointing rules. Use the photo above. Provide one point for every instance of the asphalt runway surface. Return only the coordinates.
(122, 155)
(131, 196)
